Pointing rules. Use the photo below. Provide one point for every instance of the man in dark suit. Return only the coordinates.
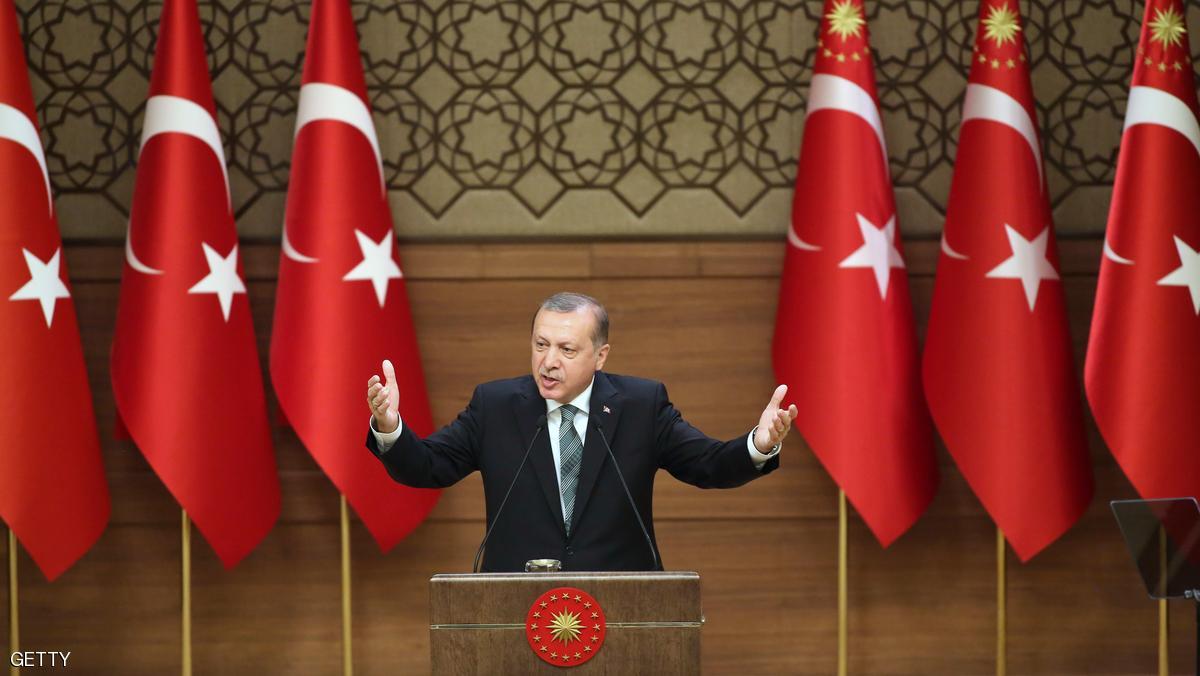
(568, 504)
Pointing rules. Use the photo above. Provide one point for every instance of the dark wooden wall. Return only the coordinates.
(697, 315)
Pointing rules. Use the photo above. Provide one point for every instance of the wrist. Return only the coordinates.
(758, 445)
(386, 426)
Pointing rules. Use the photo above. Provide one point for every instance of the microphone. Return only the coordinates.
(638, 514)
(541, 422)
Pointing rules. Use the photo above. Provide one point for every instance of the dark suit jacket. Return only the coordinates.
(645, 431)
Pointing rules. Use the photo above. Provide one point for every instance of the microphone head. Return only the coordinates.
(541, 421)
(599, 425)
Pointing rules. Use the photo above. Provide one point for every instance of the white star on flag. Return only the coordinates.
(877, 252)
(377, 264)
(1187, 274)
(222, 278)
(1028, 263)
(44, 285)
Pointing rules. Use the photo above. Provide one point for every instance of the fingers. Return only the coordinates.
(377, 398)
(389, 372)
(775, 422)
(383, 397)
(781, 423)
(777, 397)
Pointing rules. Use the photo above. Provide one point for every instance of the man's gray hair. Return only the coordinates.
(566, 301)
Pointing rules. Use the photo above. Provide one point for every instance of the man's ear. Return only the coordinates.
(601, 356)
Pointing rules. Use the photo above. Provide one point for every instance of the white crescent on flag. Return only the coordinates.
(833, 92)
(1150, 105)
(324, 101)
(1114, 256)
(16, 126)
(795, 241)
(289, 250)
(989, 103)
(132, 259)
(176, 115)
(949, 251)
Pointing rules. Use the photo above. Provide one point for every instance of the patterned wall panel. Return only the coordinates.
(576, 117)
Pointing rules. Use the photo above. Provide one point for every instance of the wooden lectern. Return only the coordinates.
(653, 619)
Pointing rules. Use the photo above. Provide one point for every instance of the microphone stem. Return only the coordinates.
(636, 512)
(500, 509)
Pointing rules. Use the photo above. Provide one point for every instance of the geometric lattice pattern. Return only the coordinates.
(581, 117)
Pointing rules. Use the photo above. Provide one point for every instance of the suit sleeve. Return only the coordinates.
(442, 458)
(695, 458)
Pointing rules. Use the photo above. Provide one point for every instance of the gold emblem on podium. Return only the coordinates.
(565, 627)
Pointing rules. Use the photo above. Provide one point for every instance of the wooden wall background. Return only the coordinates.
(695, 314)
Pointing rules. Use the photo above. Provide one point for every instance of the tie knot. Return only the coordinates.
(568, 413)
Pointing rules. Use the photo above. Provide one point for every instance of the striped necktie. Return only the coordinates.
(570, 457)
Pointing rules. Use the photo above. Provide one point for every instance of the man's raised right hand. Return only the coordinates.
(384, 399)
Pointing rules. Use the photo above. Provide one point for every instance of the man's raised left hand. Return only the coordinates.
(774, 423)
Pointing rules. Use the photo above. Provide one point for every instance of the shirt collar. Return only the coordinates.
(582, 402)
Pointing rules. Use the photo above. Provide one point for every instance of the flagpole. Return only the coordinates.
(14, 627)
(1001, 607)
(1164, 628)
(186, 532)
(842, 586)
(347, 653)
(1164, 659)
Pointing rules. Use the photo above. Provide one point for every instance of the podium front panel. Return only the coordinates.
(653, 621)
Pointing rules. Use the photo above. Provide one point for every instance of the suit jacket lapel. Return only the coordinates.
(529, 406)
(605, 408)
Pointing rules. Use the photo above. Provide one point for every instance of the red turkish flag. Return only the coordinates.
(998, 370)
(185, 369)
(341, 306)
(844, 339)
(1143, 363)
(53, 494)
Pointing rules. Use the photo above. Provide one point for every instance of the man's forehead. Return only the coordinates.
(581, 319)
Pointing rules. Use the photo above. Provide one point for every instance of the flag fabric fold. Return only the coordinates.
(998, 371)
(1142, 372)
(185, 366)
(53, 495)
(342, 305)
(844, 337)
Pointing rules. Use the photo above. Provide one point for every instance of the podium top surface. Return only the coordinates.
(569, 576)
(505, 598)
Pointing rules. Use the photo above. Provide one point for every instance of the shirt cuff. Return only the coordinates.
(759, 459)
(385, 440)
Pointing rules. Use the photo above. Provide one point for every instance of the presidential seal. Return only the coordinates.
(565, 627)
